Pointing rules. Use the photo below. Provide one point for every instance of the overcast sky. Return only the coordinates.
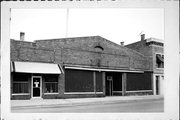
(113, 24)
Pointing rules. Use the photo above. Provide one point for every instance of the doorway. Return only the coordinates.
(36, 86)
(157, 84)
(109, 85)
(113, 84)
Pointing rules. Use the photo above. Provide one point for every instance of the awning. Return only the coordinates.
(35, 67)
(102, 69)
(159, 58)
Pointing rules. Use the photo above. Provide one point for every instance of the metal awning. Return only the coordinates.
(35, 67)
(102, 69)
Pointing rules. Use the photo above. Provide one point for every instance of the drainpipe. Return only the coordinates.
(54, 56)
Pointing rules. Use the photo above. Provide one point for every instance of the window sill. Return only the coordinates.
(83, 93)
(50, 93)
(139, 91)
(160, 68)
(21, 94)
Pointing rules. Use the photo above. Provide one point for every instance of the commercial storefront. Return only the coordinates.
(42, 80)
(34, 80)
(64, 69)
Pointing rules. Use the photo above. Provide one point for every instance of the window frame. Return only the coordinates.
(162, 64)
(20, 82)
(46, 82)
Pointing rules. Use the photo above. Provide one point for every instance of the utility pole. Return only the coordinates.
(67, 21)
(10, 14)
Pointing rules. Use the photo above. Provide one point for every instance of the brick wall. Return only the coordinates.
(141, 47)
(148, 50)
(157, 49)
(79, 51)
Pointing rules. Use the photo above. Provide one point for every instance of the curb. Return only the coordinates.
(81, 104)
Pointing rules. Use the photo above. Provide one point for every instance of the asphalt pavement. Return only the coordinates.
(142, 106)
(45, 103)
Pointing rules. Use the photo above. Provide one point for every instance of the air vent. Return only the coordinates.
(99, 47)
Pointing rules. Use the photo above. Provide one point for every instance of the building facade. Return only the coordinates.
(78, 67)
(154, 49)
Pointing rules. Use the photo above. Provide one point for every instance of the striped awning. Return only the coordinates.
(35, 67)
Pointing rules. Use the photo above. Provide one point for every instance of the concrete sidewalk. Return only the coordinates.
(79, 101)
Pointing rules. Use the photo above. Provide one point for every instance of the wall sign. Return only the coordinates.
(109, 78)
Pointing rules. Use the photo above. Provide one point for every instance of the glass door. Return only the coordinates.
(36, 86)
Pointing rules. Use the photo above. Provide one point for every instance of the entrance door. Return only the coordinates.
(36, 86)
(109, 85)
(113, 84)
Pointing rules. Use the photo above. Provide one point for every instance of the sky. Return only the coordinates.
(114, 24)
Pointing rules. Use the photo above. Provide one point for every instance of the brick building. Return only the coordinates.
(154, 49)
(77, 67)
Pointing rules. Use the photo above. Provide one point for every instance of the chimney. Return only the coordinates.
(22, 35)
(142, 37)
(122, 43)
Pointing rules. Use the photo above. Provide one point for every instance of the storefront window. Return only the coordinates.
(51, 87)
(20, 87)
(20, 83)
(51, 83)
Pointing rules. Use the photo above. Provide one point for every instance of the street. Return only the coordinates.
(133, 106)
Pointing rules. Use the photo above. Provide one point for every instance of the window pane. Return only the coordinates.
(99, 82)
(20, 87)
(51, 87)
(159, 61)
(138, 81)
(79, 81)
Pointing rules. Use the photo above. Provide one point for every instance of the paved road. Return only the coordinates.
(135, 106)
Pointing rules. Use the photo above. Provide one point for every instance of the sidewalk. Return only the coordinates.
(79, 101)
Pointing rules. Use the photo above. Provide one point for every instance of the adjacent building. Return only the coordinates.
(82, 67)
(154, 49)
